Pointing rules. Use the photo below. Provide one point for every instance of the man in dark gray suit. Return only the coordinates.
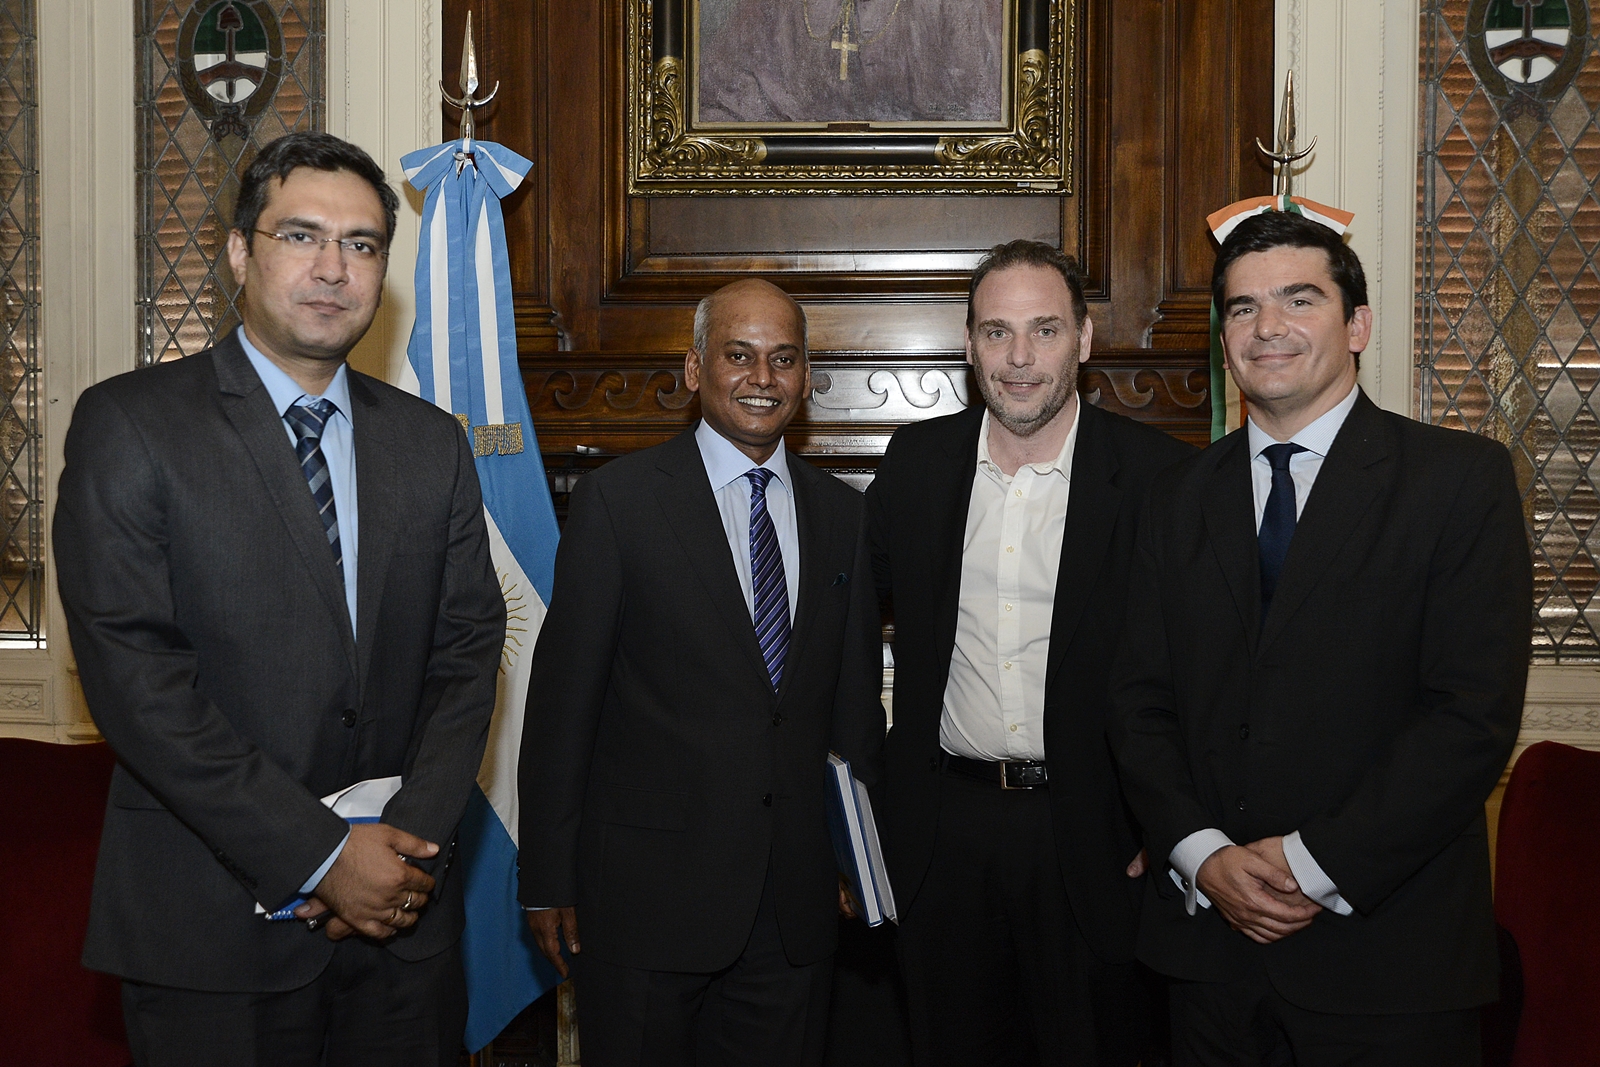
(253, 632)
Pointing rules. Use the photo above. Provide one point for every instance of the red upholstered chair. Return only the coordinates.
(1547, 868)
(52, 803)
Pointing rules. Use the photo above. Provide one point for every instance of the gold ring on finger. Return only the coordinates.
(393, 917)
(407, 905)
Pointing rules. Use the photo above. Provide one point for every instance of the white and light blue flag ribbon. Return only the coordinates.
(463, 357)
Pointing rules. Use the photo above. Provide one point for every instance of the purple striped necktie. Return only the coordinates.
(307, 422)
(766, 578)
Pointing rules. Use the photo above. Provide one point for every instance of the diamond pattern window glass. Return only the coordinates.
(1508, 277)
(21, 531)
(256, 66)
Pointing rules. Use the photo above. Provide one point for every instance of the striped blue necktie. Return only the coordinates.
(307, 422)
(766, 579)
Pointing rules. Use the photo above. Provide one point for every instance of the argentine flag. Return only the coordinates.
(463, 357)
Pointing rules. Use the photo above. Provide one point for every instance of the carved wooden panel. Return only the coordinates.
(588, 408)
(1169, 95)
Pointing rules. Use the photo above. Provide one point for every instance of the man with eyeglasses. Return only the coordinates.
(276, 578)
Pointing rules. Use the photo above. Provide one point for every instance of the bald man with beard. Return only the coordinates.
(712, 634)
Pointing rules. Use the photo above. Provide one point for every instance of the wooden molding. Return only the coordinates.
(590, 405)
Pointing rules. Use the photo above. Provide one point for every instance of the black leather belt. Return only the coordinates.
(1007, 774)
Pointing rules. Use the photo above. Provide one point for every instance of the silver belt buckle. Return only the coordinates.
(1005, 777)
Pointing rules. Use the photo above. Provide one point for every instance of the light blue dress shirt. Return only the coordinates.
(726, 467)
(338, 448)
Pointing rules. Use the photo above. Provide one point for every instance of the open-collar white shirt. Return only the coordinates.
(1010, 555)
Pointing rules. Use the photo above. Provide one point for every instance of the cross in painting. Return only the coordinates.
(844, 48)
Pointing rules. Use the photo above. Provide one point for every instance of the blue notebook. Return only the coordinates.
(855, 843)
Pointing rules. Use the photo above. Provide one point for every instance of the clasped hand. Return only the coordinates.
(371, 889)
(1254, 889)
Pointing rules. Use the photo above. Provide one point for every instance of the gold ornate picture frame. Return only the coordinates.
(1025, 148)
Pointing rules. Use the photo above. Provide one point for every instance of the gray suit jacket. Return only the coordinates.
(216, 655)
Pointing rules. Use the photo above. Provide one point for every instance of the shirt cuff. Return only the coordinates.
(527, 908)
(1186, 859)
(1314, 881)
(321, 872)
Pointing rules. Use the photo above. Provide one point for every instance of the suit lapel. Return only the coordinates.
(377, 490)
(1230, 525)
(815, 529)
(1346, 486)
(949, 495)
(1092, 503)
(248, 406)
(685, 497)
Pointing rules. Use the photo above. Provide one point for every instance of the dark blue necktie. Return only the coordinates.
(307, 422)
(1277, 521)
(766, 579)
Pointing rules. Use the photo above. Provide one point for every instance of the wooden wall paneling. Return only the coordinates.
(1085, 222)
(1219, 99)
(599, 408)
(509, 41)
(1162, 84)
(579, 147)
(1135, 218)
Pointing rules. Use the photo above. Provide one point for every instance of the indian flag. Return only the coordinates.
(1227, 406)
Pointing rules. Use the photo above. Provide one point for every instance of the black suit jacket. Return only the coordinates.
(216, 654)
(661, 777)
(917, 515)
(1372, 709)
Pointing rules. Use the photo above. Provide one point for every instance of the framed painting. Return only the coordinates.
(868, 96)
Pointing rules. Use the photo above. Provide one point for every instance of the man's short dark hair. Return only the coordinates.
(319, 151)
(1025, 253)
(1286, 229)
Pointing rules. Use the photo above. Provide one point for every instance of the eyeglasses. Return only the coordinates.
(359, 251)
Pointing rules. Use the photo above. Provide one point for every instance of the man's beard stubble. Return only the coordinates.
(1027, 423)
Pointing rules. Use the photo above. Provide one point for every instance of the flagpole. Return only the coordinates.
(462, 357)
(468, 101)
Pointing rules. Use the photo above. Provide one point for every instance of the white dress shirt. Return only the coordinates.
(726, 466)
(1304, 467)
(1010, 553)
(339, 450)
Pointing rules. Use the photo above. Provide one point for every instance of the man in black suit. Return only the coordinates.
(1323, 678)
(712, 634)
(1002, 536)
(277, 583)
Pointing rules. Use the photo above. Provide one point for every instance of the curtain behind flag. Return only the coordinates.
(463, 357)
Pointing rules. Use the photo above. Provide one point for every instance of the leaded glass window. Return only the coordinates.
(21, 530)
(1507, 282)
(216, 79)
